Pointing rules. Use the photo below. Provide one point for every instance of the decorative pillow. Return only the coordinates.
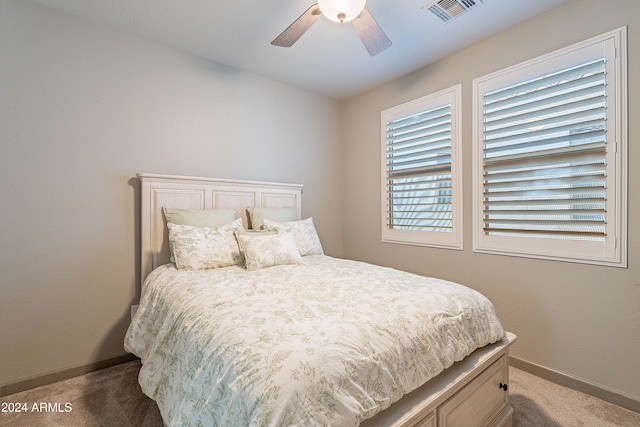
(262, 251)
(304, 232)
(197, 218)
(245, 232)
(258, 215)
(201, 248)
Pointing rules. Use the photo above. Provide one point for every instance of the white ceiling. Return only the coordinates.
(329, 59)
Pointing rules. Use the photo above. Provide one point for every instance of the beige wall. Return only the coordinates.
(83, 108)
(577, 319)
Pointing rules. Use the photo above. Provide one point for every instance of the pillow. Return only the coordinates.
(245, 232)
(304, 232)
(201, 248)
(262, 251)
(258, 215)
(197, 218)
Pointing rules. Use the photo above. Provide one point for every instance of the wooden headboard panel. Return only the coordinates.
(188, 192)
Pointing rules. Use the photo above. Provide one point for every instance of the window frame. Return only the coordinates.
(446, 240)
(613, 251)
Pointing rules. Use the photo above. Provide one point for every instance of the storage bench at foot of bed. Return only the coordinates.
(472, 392)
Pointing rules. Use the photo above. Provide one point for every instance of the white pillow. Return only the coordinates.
(304, 232)
(262, 251)
(201, 248)
(245, 232)
(258, 215)
(197, 218)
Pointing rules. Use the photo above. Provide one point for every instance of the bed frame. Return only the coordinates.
(472, 392)
(188, 192)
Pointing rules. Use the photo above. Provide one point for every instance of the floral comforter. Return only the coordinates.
(328, 342)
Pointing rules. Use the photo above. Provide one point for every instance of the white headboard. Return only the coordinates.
(188, 192)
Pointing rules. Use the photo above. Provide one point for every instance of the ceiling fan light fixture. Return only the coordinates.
(372, 36)
(341, 10)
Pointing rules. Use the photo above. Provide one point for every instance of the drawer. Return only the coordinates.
(428, 421)
(480, 402)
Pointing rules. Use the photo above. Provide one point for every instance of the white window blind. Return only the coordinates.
(420, 198)
(545, 156)
(419, 171)
(550, 155)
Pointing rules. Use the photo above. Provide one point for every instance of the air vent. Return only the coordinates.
(446, 10)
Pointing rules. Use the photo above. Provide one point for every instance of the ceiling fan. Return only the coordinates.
(354, 11)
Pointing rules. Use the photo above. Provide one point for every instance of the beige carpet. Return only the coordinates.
(111, 397)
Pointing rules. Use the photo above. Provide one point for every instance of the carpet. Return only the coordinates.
(112, 397)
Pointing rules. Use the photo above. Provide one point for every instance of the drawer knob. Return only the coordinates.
(503, 386)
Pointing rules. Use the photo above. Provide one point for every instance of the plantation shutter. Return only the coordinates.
(544, 156)
(418, 163)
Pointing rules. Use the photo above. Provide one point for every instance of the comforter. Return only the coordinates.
(328, 342)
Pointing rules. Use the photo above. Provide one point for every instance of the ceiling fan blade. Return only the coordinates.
(374, 39)
(298, 28)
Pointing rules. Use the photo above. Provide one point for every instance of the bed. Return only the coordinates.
(283, 334)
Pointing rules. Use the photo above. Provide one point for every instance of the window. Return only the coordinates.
(550, 155)
(421, 171)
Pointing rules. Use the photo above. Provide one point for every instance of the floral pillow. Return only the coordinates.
(201, 248)
(267, 250)
(197, 218)
(245, 232)
(304, 233)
